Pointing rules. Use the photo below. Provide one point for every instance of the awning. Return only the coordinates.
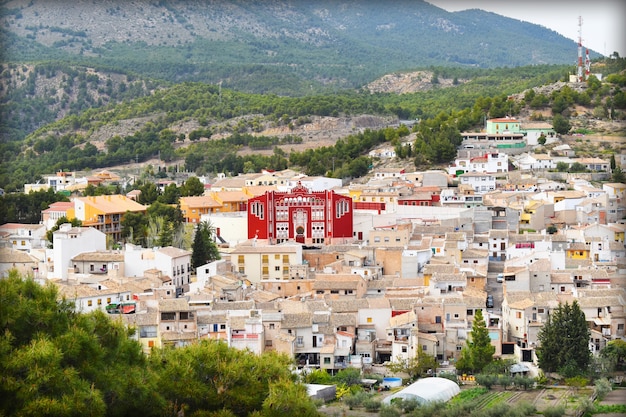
(602, 321)
(519, 367)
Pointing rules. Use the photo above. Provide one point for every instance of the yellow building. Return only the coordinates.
(194, 207)
(578, 251)
(104, 212)
(231, 201)
(258, 260)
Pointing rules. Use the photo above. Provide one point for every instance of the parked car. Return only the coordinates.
(500, 278)
(489, 301)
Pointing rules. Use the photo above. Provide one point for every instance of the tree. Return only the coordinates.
(618, 175)
(542, 139)
(552, 229)
(170, 195)
(615, 351)
(612, 162)
(562, 166)
(417, 366)
(209, 376)
(204, 249)
(478, 353)
(577, 167)
(134, 227)
(288, 399)
(57, 362)
(564, 342)
(192, 187)
(149, 193)
(560, 124)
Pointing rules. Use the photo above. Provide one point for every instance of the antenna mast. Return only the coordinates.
(579, 72)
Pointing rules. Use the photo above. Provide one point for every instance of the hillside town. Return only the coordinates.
(362, 274)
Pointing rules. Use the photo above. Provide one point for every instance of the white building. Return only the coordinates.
(96, 295)
(230, 227)
(24, 237)
(171, 261)
(481, 183)
(314, 183)
(490, 162)
(70, 241)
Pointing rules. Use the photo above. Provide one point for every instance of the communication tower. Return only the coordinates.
(579, 72)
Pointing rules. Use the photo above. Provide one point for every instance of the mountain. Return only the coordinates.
(283, 47)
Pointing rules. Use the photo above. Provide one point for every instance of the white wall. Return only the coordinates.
(233, 226)
(68, 245)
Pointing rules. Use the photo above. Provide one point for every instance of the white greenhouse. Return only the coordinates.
(427, 390)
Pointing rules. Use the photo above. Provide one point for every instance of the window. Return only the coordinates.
(518, 314)
(222, 327)
(184, 315)
(369, 319)
(89, 303)
(300, 341)
(326, 361)
(424, 348)
(277, 268)
(240, 259)
(99, 301)
(108, 300)
(540, 310)
(168, 316)
(404, 349)
(272, 325)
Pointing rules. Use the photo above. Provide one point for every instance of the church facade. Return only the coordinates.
(301, 215)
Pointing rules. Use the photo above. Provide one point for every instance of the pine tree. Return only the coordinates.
(564, 342)
(479, 351)
(613, 163)
(199, 249)
(204, 249)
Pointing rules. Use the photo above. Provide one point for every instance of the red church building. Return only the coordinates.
(308, 217)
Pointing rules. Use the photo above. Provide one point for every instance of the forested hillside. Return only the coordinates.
(280, 47)
(93, 123)
(80, 93)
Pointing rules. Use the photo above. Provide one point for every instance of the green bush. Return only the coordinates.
(603, 387)
(371, 405)
(524, 408)
(355, 400)
(408, 405)
(554, 411)
(389, 411)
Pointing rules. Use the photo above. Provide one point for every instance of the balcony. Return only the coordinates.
(245, 336)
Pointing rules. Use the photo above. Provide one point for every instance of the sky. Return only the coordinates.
(603, 21)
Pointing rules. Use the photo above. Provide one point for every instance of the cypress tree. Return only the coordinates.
(564, 342)
(480, 348)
